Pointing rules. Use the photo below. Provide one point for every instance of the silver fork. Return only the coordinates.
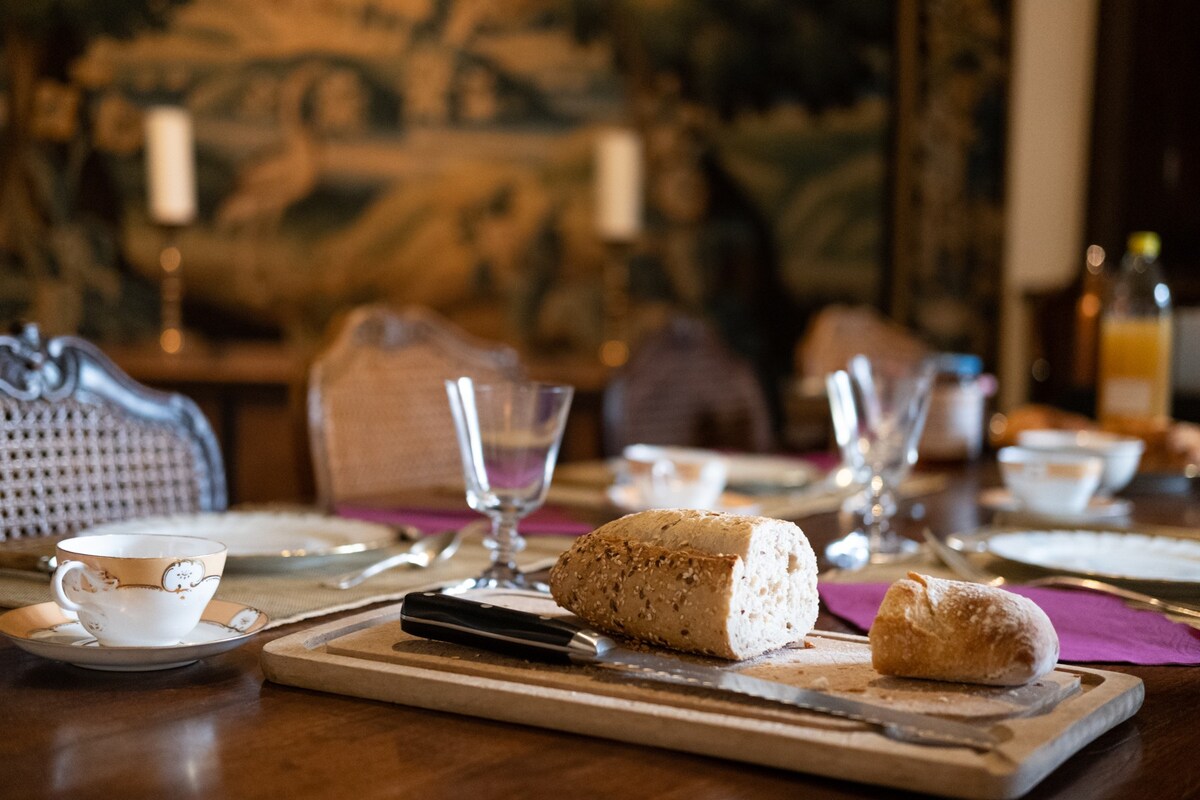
(421, 554)
(968, 570)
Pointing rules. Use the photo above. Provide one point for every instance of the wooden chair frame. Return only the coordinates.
(83, 443)
(406, 345)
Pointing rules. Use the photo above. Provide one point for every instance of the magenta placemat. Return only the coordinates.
(1091, 627)
(427, 520)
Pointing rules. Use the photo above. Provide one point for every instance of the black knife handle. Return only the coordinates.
(434, 615)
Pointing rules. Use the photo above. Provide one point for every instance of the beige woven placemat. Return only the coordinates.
(586, 483)
(297, 594)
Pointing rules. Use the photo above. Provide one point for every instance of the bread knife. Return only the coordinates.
(433, 615)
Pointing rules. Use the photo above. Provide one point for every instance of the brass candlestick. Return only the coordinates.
(614, 346)
(170, 260)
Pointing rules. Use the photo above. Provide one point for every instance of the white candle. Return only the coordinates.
(618, 185)
(170, 165)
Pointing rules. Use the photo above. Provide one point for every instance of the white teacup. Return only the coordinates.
(1050, 481)
(675, 477)
(1121, 454)
(137, 590)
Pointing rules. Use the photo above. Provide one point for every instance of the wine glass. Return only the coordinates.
(509, 434)
(879, 410)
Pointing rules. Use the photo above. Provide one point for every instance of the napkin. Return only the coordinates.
(1091, 627)
(427, 520)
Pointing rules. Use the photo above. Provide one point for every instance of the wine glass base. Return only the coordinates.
(518, 582)
(853, 551)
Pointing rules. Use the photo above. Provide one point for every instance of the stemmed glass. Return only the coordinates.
(509, 434)
(879, 411)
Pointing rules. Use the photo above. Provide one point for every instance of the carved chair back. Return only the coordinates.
(378, 415)
(82, 443)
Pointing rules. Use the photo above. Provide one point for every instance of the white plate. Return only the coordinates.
(1104, 554)
(263, 541)
(762, 474)
(44, 630)
(1098, 508)
(626, 498)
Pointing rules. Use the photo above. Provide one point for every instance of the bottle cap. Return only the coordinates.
(1144, 243)
(959, 365)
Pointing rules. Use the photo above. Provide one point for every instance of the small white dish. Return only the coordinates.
(1050, 482)
(1104, 554)
(46, 631)
(675, 477)
(1121, 454)
(266, 541)
(628, 499)
(1098, 508)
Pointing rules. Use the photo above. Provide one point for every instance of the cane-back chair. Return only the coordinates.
(82, 443)
(839, 332)
(378, 414)
(684, 386)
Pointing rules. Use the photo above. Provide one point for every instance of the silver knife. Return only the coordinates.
(434, 615)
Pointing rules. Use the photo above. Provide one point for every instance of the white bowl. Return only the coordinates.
(1050, 481)
(674, 477)
(1121, 454)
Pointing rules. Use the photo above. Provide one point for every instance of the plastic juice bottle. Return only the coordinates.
(1136, 331)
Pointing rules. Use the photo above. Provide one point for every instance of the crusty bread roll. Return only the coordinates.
(954, 631)
(1172, 450)
(719, 584)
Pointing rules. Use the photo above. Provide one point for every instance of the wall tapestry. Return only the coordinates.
(441, 152)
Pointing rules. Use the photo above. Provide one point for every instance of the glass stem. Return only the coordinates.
(879, 509)
(505, 543)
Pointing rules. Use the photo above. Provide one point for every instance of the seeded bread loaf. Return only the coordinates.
(954, 631)
(724, 585)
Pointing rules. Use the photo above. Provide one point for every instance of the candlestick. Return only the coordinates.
(618, 185)
(614, 347)
(170, 260)
(618, 222)
(170, 165)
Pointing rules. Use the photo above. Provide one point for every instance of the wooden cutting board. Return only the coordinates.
(1040, 725)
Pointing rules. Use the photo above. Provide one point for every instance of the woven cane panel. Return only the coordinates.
(67, 465)
(687, 389)
(387, 421)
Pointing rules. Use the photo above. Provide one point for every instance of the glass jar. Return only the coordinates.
(954, 429)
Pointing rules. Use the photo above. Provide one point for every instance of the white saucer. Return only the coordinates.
(627, 498)
(755, 473)
(44, 630)
(1098, 508)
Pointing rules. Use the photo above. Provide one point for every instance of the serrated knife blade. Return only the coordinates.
(459, 620)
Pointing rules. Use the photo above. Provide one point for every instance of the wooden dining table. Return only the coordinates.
(219, 729)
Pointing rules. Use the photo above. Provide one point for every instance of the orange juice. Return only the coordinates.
(1135, 374)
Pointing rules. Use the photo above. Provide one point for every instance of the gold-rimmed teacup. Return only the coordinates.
(137, 590)
(1050, 481)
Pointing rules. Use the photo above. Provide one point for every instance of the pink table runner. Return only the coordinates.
(1091, 627)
